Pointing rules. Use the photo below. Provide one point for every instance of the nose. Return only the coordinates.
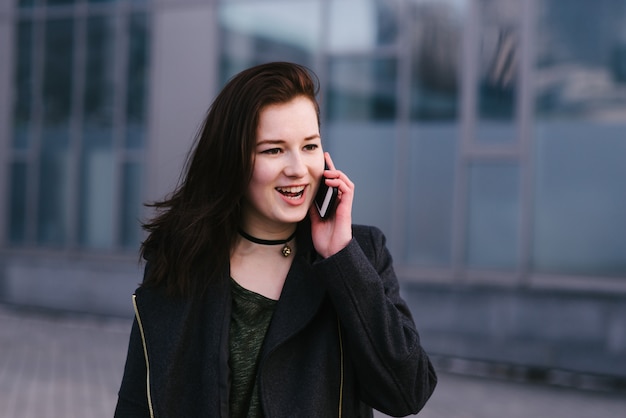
(296, 166)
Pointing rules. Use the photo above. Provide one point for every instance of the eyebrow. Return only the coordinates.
(281, 141)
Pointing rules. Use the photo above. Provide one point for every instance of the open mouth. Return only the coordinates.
(291, 192)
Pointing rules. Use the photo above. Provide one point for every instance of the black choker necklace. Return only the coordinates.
(286, 248)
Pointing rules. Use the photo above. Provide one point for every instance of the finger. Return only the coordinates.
(340, 180)
(329, 161)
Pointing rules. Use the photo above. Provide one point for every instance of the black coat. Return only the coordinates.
(340, 338)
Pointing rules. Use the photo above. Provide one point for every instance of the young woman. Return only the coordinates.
(252, 305)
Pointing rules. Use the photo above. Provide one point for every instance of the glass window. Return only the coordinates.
(97, 159)
(137, 81)
(358, 25)
(431, 193)
(361, 88)
(58, 2)
(498, 71)
(99, 77)
(17, 201)
(359, 109)
(581, 200)
(254, 32)
(79, 102)
(54, 180)
(97, 187)
(435, 34)
(27, 3)
(580, 113)
(580, 74)
(23, 81)
(53, 199)
(57, 81)
(365, 151)
(493, 217)
(131, 205)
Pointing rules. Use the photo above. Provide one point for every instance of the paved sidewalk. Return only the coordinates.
(60, 366)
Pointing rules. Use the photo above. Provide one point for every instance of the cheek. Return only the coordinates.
(318, 171)
(259, 172)
(262, 178)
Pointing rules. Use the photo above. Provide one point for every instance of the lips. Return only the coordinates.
(291, 192)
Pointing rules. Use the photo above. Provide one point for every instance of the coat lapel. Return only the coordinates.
(299, 301)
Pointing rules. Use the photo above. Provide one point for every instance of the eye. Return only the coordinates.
(271, 151)
(311, 147)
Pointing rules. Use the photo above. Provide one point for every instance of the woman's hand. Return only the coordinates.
(333, 234)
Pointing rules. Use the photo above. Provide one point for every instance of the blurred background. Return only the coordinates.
(487, 139)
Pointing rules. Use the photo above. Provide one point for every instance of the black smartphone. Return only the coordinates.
(326, 198)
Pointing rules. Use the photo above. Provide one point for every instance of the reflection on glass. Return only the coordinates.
(137, 81)
(255, 32)
(358, 25)
(581, 73)
(436, 38)
(498, 72)
(431, 194)
(23, 85)
(580, 114)
(493, 216)
(499, 57)
(131, 204)
(361, 88)
(17, 203)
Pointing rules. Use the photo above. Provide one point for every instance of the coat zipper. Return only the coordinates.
(145, 353)
(341, 370)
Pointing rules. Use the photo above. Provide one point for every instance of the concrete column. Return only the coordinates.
(183, 82)
(6, 109)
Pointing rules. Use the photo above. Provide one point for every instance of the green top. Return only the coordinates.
(250, 318)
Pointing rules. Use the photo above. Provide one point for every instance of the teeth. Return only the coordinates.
(291, 190)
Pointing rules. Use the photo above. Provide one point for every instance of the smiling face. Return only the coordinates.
(288, 165)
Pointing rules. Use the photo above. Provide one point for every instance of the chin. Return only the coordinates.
(295, 217)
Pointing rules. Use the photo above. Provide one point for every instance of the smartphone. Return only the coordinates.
(326, 198)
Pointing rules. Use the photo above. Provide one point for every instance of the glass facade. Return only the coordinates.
(79, 104)
(482, 135)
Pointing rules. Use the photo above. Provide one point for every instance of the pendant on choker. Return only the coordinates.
(286, 250)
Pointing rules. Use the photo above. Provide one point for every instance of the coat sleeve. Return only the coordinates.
(394, 373)
(132, 397)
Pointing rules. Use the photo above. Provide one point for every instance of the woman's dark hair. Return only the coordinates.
(193, 232)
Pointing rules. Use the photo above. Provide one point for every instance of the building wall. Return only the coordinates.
(486, 139)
